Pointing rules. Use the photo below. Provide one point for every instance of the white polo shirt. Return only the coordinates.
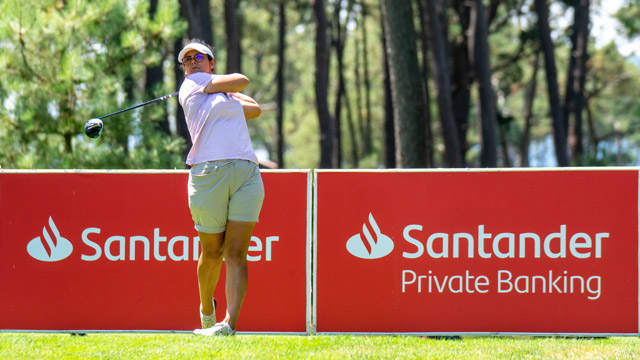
(216, 123)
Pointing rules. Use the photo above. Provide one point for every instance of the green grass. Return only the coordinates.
(185, 346)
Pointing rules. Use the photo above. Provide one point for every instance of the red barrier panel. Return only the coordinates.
(531, 252)
(118, 251)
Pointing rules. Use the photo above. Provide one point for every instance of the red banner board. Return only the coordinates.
(536, 252)
(118, 251)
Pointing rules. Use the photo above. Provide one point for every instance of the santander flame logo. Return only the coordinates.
(51, 249)
(372, 247)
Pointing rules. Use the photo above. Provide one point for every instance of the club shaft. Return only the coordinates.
(139, 105)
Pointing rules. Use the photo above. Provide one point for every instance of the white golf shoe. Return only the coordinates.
(209, 321)
(219, 329)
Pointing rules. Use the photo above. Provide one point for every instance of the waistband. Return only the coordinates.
(206, 167)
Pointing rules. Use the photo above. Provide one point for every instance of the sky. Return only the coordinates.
(606, 28)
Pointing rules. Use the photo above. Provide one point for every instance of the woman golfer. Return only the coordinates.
(225, 186)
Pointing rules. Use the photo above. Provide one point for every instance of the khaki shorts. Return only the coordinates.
(224, 190)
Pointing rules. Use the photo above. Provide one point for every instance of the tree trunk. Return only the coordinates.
(528, 112)
(282, 27)
(355, 158)
(453, 157)
(493, 10)
(181, 123)
(593, 137)
(559, 134)
(336, 42)
(407, 92)
(462, 77)
(204, 21)
(123, 137)
(66, 107)
(424, 36)
(461, 80)
(574, 94)
(479, 50)
(389, 131)
(339, 41)
(232, 28)
(197, 15)
(503, 127)
(358, 90)
(154, 80)
(366, 138)
(322, 83)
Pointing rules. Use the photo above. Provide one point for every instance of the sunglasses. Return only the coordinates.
(197, 58)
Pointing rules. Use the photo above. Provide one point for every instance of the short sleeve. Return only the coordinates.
(193, 84)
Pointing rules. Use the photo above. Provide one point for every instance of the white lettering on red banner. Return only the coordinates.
(456, 252)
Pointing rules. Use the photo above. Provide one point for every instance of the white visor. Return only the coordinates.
(194, 46)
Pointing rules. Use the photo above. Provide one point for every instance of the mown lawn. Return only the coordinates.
(185, 346)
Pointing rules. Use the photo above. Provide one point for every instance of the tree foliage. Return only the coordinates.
(68, 61)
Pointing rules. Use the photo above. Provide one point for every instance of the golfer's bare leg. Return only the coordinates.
(209, 268)
(237, 239)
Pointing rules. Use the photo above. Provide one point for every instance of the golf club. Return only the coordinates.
(93, 127)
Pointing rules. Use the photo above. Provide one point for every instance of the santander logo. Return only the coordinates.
(47, 248)
(372, 246)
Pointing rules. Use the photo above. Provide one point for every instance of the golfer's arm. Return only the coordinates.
(250, 107)
(228, 83)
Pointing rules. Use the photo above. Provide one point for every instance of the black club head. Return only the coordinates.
(93, 128)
